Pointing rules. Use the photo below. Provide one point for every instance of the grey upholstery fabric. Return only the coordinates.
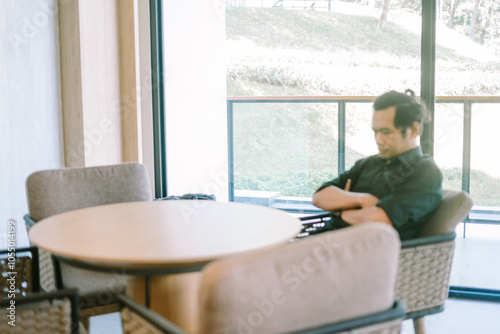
(453, 209)
(320, 280)
(51, 192)
(55, 191)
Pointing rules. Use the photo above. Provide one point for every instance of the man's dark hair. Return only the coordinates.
(408, 109)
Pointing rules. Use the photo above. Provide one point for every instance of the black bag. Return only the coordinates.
(189, 196)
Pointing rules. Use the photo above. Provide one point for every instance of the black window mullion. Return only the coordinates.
(159, 135)
(428, 71)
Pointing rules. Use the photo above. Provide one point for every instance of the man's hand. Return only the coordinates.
(365, 215)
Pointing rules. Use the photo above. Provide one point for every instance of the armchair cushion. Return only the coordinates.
(454, 207)
(323, 279)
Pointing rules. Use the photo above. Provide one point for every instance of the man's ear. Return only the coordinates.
(416, 129)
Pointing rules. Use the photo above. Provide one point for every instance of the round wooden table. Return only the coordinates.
(162, 237)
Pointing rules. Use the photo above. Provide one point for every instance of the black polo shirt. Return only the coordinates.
(408, 186)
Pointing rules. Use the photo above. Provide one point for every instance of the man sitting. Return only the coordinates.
(399, 186)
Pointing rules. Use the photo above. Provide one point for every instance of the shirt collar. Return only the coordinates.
(407, 158)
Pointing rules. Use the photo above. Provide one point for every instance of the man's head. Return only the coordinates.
(397, 122)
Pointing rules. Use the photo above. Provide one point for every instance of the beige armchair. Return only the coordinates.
(51, 192)
(333, 282)
(425, 263)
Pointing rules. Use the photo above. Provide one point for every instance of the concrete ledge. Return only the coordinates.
(258, 197)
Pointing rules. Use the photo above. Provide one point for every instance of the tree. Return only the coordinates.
(453, 8)
(383, 17)
(487, 22)
(472, 31)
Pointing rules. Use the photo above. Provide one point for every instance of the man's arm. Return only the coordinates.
(332, 198)
(352, 215)
(364, 215)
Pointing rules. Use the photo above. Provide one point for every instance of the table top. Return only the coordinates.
(162, 235)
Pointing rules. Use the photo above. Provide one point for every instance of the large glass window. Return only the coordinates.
(305, 50)
(301, 76)
(467, 114)
(286, 149)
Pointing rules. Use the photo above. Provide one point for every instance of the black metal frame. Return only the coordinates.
(35, 265)
(341, 105)
(428, 62)
(159, 130)
(461, 292)
(396, 312)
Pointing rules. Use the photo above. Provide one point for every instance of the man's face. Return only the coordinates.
(390, 140)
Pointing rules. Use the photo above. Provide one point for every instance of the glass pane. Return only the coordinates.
(485, 162)
(290, 148)
(312, 48)
(467, 68)
(448, 143)
(339, 48)
(360, 141)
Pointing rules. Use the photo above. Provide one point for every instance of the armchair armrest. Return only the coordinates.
(390, 320)
(428, 240)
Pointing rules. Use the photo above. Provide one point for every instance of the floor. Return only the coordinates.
(461, 317)
(476, 263)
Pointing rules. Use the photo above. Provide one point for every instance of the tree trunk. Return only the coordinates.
(383, 17)
(472, 32)
(452, 13)
(487, 21)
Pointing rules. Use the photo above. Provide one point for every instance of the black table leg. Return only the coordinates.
(148, 290)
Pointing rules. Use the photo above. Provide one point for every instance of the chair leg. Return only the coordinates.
(419, 325)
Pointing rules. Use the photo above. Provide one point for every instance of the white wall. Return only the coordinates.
(30, 112)
(195, 96)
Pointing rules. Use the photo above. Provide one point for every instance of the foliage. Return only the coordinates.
(317, 53)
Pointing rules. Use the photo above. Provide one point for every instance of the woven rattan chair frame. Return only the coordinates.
(48, 267)
(424, 273)
(59, 315)
(423, 276)
(26, 270)
(136, 317)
